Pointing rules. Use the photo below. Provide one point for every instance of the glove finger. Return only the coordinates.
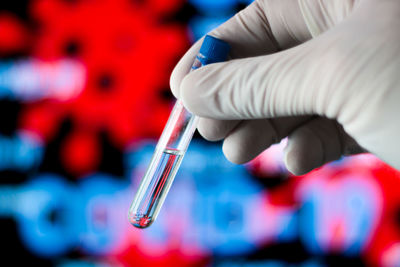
(253, 88)
(317, 142)
(252, 137)
(215, 130)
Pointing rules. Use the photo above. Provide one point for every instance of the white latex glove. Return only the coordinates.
(326, 73)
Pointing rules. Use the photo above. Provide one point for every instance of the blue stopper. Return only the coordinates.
(214, 50)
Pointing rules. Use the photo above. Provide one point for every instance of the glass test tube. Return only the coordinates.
(171, 146)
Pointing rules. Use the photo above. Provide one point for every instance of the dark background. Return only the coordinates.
(83, 98)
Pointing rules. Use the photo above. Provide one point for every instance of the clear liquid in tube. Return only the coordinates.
(160, 183)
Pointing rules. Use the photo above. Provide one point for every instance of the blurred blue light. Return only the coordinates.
(21, 152)
(341, 215)
(200, 26)
(46, 217)
(103, 218)
(81, 263)
(212, 7)
(212, 14)
(31, 80)
(54, 216)
(217, 8)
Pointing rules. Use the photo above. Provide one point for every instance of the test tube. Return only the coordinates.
(171, 146)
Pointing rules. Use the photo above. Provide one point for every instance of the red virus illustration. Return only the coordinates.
(128, 51)
(13, 35)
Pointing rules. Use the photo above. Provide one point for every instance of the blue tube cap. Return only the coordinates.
(214, 50)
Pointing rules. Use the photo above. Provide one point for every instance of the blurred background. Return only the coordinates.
(83, 98)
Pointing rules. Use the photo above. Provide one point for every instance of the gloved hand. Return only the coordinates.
(324, 73)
